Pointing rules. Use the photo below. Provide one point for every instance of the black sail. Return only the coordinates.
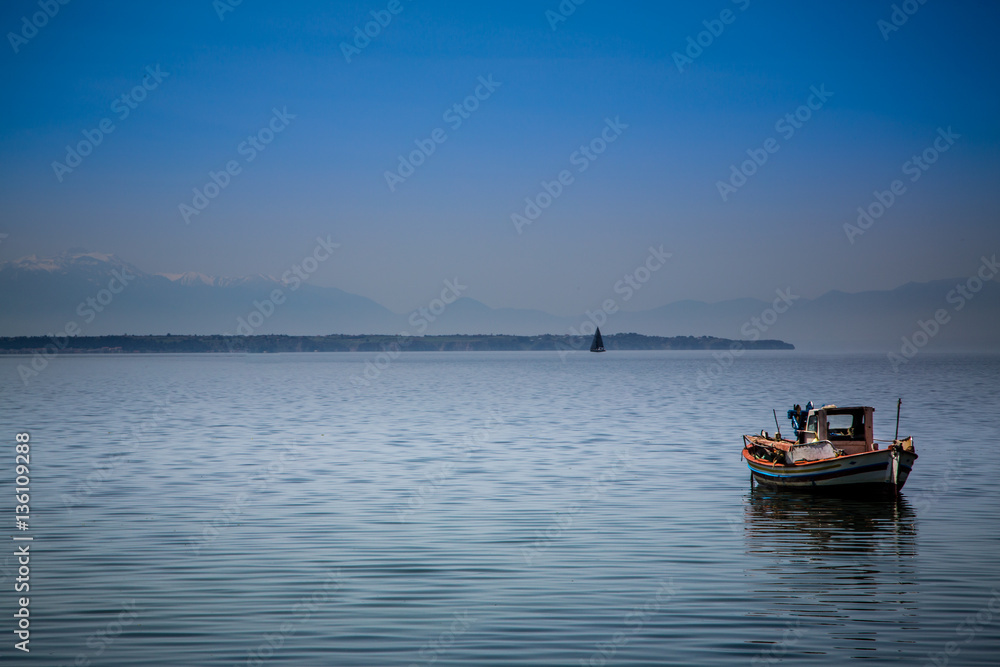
(598, 344)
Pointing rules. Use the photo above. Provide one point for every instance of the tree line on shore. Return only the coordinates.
(275, 343)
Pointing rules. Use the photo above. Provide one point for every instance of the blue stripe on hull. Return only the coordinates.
(805, 477)
(854, 479)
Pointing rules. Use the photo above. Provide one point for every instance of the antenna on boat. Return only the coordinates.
(777, 433)
(899, 405)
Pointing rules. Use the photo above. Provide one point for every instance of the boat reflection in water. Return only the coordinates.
(823, 567)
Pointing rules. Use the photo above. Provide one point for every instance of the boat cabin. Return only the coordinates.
(848, 429)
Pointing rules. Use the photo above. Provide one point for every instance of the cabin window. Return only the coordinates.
(811, 423)
(845, 427)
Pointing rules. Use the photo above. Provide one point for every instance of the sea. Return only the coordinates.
(496, 508)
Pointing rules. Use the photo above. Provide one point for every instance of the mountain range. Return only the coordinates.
(90, 293)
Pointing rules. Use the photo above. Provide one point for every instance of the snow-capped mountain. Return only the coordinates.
(103, 294)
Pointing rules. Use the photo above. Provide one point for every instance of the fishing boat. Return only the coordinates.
(597, 345)
(834, 451)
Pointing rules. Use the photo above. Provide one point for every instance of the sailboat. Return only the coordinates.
(598, 343)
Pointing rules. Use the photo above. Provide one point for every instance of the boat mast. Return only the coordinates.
(899, 405)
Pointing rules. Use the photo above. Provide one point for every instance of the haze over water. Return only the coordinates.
(823, 174)
(495, 509)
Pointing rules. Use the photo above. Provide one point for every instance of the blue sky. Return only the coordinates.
(656, 184)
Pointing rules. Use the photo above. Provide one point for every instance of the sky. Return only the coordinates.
(667, 99)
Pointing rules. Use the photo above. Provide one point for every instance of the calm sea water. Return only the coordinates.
(491, 509)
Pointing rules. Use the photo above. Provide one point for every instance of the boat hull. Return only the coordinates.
(862, 474)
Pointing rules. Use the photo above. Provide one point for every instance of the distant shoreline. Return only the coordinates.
(126, 344)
